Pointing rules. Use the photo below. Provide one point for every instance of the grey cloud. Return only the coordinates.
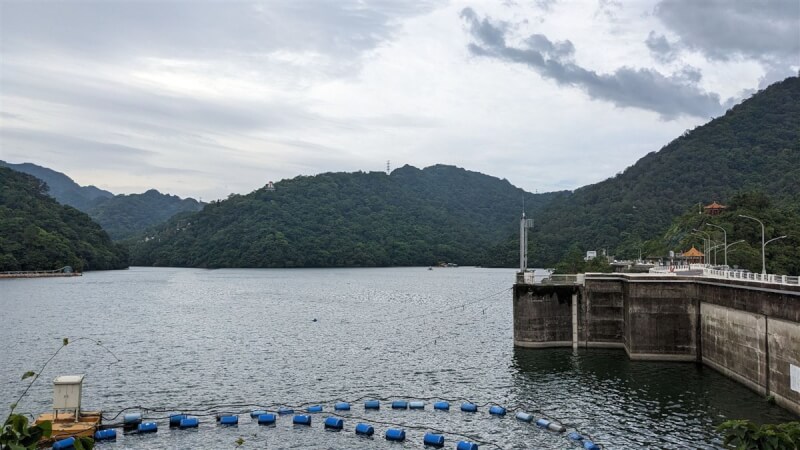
(205, 29)
(660, 48)
(100, 154)
(109, 98)
(669, 96)
(723, 29)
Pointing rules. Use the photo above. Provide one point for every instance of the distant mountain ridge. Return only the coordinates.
(61, 187)
(38, 233)
(409, 217)
(122, 216)
(754, 146)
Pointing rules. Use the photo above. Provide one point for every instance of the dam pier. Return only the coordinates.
(747, 329)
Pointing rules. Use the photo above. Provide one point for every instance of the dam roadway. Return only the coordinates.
(747, 330)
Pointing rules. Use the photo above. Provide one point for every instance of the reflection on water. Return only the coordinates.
(192, 338)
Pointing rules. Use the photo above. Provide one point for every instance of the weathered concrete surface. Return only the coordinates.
(602, 318)
(542, 315)
(749, 331)
(783, 342)
(735, 343)
(661, 321)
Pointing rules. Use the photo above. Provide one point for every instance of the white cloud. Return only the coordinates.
(235, 97)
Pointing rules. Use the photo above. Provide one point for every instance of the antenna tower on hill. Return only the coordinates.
(388, 167)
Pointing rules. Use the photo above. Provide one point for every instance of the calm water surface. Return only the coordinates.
(195, 339)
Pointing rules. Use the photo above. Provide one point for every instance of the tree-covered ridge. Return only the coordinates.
(755, 145)
(411, 217)
(782, 256)
(61, 187)
(123, 216)
(37, 233)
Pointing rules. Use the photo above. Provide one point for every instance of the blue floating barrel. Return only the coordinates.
(189, 422)
(334, 423)
(523, 416)
(395, 434)
(464, 445)
(589, 445)
(433, 440)
(64, 444)
(175, 419)
(105, 435)
(416, 405)
(575, 436)
(442, 406)
(314, 409)
(229, 420)
(497, 411)
(342, 406)
(301, 419)
(469, 407)
(132, 419)
(283, 411)
(257, 412)
(372, 404)
(147, 427)
(399, 404)
(266, 419)
(557, 427)
(365, 429)
(542, 423)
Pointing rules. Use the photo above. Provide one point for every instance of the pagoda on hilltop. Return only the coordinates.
(714, 209)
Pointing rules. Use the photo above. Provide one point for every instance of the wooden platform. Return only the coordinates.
(66, 426)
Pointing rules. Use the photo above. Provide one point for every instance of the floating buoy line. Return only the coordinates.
(339, 413)
(334, 416)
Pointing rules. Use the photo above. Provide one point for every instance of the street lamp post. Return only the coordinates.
(763, 244)
(725, 243)
(707, 248)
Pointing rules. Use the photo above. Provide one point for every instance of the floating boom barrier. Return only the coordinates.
(134, 422)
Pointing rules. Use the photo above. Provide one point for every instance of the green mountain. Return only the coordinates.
(755, 145)
(38, 233)
(61, 187)
(782, 255)
(410, 217)
(122, 216)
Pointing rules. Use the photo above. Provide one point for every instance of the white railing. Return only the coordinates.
(532, 278)
(749, 276)
(670, 269)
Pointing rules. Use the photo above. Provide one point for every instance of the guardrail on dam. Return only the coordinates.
(749, 331)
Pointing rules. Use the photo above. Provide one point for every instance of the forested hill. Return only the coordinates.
(410, 217)
(121, 216)
(61, 187)
(754, 146)
(38, 233)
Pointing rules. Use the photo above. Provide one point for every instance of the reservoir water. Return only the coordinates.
(191, 339)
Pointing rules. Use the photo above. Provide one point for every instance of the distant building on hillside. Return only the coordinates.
(590, 255)
(714, 209)
(270, 186)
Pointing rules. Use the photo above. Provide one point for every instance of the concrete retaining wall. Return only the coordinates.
(748, 331)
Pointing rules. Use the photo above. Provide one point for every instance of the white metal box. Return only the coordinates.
(67, 393)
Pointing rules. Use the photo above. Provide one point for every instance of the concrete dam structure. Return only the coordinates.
(749, 331)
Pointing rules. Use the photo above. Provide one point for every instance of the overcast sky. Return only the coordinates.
(203, 99)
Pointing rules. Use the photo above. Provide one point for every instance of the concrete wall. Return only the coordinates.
(602, 317)
(661, 320)
(542, 316)
(748, 331)
(735, 343)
